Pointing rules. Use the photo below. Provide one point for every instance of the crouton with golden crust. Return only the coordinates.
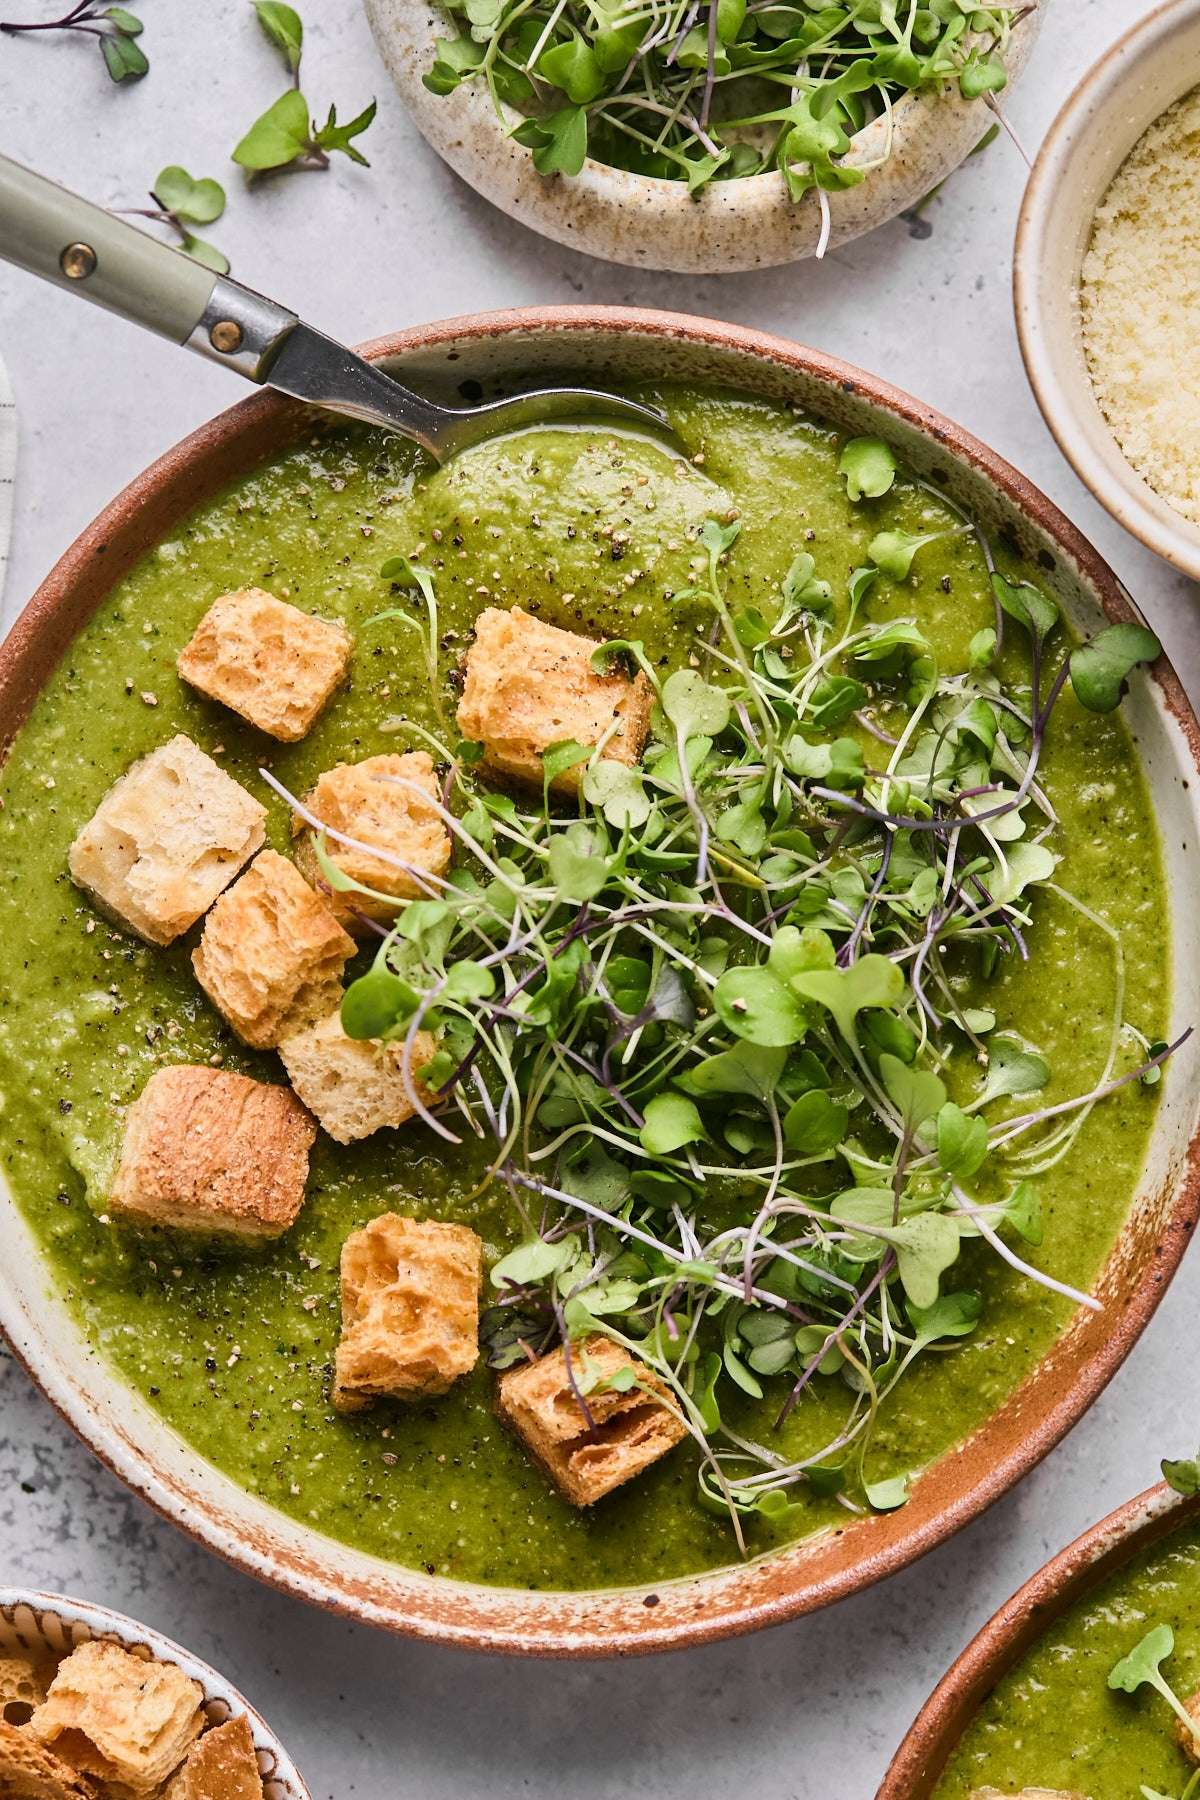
(28, 1771)
(125, 1720)
(205, 1150)
(410, 1310)
(1189, 1741)
(165, 840)
(355, 1086)
(23, 1685)
(530, 685)
(222, 1765)
(386, 802)
(628, 1431)
(267, 661)
(272, 954)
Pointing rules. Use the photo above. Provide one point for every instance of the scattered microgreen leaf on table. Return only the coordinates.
(286, 135)
(181, 201)
(115, 28)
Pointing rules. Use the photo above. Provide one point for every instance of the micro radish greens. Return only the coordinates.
(1142, 1667)
(711, 90)
(706, 1016)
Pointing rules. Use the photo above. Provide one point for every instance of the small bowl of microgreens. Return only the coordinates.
(704, 136)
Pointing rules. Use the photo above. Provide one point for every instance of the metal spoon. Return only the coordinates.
(79, 247)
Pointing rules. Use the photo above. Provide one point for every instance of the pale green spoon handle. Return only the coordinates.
(88, 251)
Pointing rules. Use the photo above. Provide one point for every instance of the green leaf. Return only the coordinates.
(815, 1124)
(950, 1316)
(559, 141)
(573, 67)
(558, 758)
(871, 981)
(694, 706)
(672, 1120)
(896, 640)
(578, 863)
(124, 58)
(1183, 1476)
(532, 1262)
(802, 589)
(756, 1005)
(278, 137)
(834, 699)
(962, 1141)
(1012, 1069)
(981, 649)
(982, 74)
(127, 23)
(283, 27)
(752, 1069)
(917, 1094)
(469, 981)
(1142, 1663)
(205, 253)
(376, 1003)
(1099, 668)
(893, 551)
(925, 1247)
(333, 136)
(197, 202)
(887, 1496)
(618, 792)
(1023, 1211)
(869, 467)
(455, 61)
(1027, 605)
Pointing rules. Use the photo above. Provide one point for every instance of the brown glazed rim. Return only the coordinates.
(1068, 1577)
(795, 1579)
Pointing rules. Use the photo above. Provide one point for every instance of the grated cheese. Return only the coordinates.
(1140, 306)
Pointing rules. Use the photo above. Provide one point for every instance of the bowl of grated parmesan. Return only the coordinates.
(1107, 281)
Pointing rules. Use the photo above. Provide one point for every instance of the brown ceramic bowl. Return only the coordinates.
(603, 344)
(922, 1758)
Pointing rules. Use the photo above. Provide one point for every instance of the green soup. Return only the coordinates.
(1055, 1723)
(594, 531)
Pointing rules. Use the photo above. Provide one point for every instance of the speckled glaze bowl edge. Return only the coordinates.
(483, 353)
(1068, 1577)
(36, 1624)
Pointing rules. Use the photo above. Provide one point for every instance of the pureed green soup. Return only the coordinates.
(1055, 1723)
(594, 531)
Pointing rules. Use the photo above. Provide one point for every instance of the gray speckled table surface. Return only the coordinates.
(807, 1712)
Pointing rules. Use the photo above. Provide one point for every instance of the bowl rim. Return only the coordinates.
(621, 216)
(106, 1622)
(1016, 1626)
(1131, 501)
(723, 1602)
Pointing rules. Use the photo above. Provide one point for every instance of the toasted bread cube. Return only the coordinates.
(119, 1717)
(385, 801)
(530, 685)
(272, 954)
(629, 1431)
(355, 1086)
(222, 1765)
(23, 1685)
(165, 840)
(205, 1150)
(28, 1771)
(267, 660)
(410, 1310)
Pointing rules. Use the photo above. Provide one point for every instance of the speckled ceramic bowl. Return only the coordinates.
(922, 1758)
(484, 355)
(49, 1625)
(1145, 72)
(652, 224)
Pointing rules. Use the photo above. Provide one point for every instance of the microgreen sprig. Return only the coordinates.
(709, 1017)
(115, 28)
(286, 136)
(1143, 1667)
(698, 91)
(181, 201)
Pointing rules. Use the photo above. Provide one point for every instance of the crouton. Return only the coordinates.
(28, 1771)
(410, 1310)
(271, 956)
(354, 1086)
(127, 1721)
(374, 802)
(1189, 1741)
(205, 1150)
(268, 661)
(165, 840)
(629, 1430)
(222, 1765)
(530, 685)
(23, 1684)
